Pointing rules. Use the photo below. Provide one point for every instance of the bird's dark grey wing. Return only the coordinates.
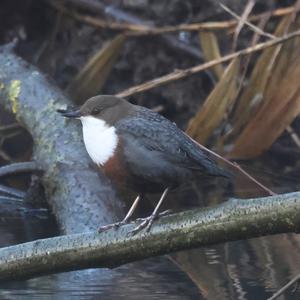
(155, 133)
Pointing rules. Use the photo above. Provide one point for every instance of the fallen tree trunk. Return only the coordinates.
(236, 219)
(80, 197)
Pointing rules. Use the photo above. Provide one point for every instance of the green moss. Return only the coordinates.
(14, 90)
(53, 104)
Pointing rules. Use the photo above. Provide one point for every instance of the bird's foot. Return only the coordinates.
(161, 214)
(148, 222)
(113, 225)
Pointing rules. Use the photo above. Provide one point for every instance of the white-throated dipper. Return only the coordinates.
(140, 148)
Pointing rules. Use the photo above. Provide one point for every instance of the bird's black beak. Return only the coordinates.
(69, 113)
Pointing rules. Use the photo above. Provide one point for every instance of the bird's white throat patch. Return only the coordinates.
(100, 139)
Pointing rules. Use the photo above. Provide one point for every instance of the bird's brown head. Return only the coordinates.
(105, 107)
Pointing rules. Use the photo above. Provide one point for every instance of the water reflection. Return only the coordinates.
(162, 282)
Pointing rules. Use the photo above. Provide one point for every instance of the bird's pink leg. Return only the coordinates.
(125, 220)
(147, 222)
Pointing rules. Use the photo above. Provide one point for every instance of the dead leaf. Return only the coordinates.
(216, 105)
(211, 51)
(281, 104)
(92, 77)
(253, 94)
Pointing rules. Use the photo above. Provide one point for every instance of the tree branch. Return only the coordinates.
(236, 219)
(19, 167)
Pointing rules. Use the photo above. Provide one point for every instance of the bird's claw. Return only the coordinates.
(113, 225)
(161, 214)
(147, 222)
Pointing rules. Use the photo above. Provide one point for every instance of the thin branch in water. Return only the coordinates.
(12, 191)
(285, 287)
(20, 167)
(12, 132)
(11, 199)
(9, 126)
(179, 74)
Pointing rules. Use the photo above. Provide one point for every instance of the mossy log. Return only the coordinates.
(81, 198)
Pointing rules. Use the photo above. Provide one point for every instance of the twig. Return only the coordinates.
(12, 191)
(13, 199)
(20, 167)
(6, 135)
(233, 220)
(96, 22)
(237, 166)
(179, 74)
(285, 287)
(9, 126)
(250, 25)
(11, 134)
(241, 23)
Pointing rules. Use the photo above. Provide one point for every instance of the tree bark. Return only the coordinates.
(236, 219)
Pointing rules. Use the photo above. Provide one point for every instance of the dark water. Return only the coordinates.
(252, 269)
(152, 279)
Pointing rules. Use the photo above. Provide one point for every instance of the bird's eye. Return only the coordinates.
(95, 111)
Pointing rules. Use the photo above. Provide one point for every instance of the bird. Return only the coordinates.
(141, 149)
